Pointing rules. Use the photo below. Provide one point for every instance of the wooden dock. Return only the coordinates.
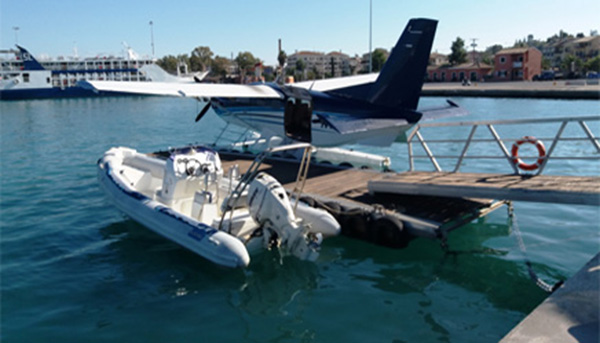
(360, 186)
(429, 204)
(540, 188)
(424, 216)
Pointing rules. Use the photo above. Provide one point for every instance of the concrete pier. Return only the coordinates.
(570, 314)
(562, 89)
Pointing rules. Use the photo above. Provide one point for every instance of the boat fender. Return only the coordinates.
(333, 207)
(541, 153)
(357, 226)
(388, 231)
(308, 200)
(353, 222)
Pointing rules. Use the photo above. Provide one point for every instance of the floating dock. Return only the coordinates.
(346, 188)
(429, 204)
(575, 190)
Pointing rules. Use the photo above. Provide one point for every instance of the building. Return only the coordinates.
(555, 51)
(339, 64)
(472, 71)
(333, 64)
(584, 48)
(311, 60)
(517, 64)
(436, 59)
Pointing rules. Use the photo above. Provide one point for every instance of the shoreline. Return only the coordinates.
(569, 89)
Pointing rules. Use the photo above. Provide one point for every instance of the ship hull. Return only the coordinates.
(52, 93)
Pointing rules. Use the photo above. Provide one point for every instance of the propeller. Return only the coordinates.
(203, 112)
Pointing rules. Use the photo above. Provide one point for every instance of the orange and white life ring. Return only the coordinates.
(540, 148)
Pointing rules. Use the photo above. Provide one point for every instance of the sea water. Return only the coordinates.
(75, 269)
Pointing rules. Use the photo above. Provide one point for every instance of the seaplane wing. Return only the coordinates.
(373, 109)
(451, 110)
(195, 90)
(327, 85)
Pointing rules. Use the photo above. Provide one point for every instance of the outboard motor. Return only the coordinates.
(270, 207)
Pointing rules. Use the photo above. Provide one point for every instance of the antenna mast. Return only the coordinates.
(370, 35)
(152, 37)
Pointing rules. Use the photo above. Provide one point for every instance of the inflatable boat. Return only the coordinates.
(187, 198)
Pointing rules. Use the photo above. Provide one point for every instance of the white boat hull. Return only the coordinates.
(186, 199)
(216, 246)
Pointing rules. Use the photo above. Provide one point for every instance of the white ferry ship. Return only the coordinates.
(22, 76)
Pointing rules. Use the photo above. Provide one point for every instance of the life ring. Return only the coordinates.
(540, 148)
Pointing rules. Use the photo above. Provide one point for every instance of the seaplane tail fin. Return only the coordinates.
(29, 62)
(401, 79)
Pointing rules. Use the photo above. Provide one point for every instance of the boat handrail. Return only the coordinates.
(253, 170)
(510, 157)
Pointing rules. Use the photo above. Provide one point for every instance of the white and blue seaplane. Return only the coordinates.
(187, 197)
(372, 109)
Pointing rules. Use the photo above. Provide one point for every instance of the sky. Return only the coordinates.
(58, 28)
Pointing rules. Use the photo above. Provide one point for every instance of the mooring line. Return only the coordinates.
(512, 224)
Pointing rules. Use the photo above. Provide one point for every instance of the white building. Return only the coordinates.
(333, 64)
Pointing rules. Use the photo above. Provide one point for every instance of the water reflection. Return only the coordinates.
(267, 286)
(469, 264)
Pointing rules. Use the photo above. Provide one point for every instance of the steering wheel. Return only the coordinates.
(193, 167)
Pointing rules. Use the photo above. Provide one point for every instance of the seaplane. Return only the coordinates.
(373, 109)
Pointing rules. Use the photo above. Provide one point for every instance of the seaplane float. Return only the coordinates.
(186, 197)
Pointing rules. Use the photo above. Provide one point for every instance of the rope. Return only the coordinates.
(512, 224)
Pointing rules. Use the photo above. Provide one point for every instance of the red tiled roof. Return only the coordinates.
(512, 51)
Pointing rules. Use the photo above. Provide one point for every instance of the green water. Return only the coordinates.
(74, 269)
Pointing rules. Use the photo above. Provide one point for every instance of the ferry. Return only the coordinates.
(25, 77)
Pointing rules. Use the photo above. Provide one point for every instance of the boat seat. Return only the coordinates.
(204, 206)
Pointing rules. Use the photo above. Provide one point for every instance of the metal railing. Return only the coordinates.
(495, 137)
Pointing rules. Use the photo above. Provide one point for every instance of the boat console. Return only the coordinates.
(190, 171)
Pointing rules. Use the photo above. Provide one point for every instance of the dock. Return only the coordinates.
(430, 204)
(570, 314)
(423, 216)
(576, 190)
(559, 89)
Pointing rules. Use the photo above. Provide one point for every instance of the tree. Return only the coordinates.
(546, 64)
(488, 55)
(220, 66)
(168, 63)
(201, 58)
(379, 57)
(281, 58)
(300, 66)
(571, 65)
(458, 54)
(592, 64)
(245, 60)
